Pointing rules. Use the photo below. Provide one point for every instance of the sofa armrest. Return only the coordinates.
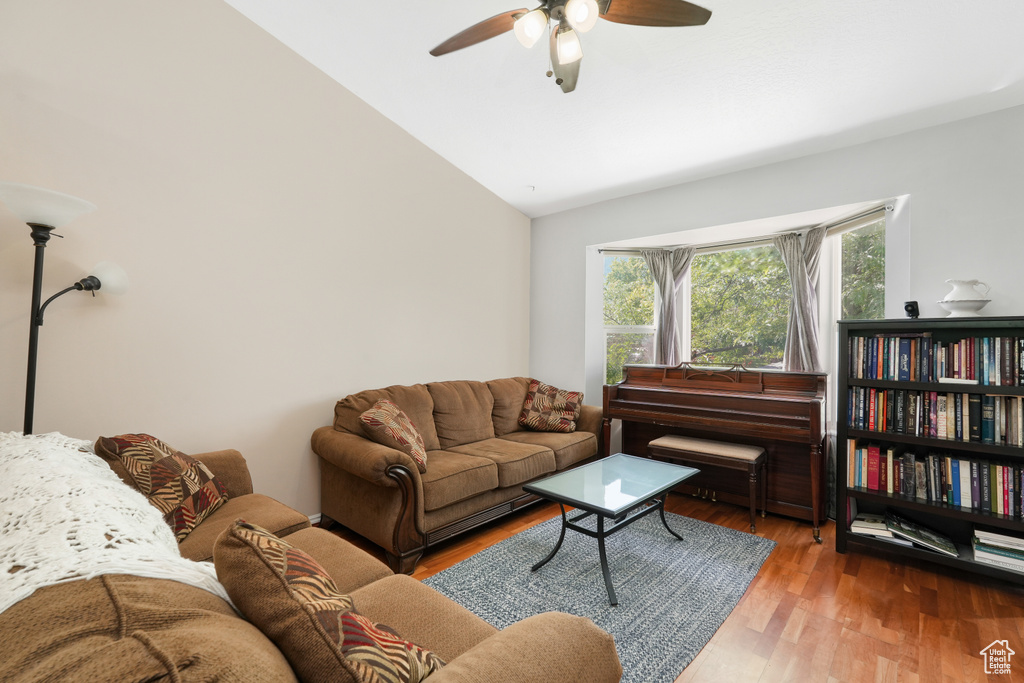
(230, 468)
(553, 646)
(590, 420)
(361, 457)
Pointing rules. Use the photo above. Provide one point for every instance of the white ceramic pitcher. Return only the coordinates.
(964, 290)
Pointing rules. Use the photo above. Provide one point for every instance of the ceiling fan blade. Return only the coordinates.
(656, 13)
(477, 33)
(566, 75)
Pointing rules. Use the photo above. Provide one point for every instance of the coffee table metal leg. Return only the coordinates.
(604, 562)
(665, 521)
(561, 537)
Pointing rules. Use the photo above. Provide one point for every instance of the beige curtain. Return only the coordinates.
(668, 268)
(802, 259)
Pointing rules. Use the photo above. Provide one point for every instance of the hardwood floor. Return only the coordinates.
(812, 614)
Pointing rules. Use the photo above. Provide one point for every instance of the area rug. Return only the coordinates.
(673, 595)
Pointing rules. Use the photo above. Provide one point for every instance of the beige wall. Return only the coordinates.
(961, 219)
(286, 243)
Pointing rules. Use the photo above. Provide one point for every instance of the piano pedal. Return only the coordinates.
(713, 497)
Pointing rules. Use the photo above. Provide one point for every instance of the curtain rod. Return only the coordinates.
(714, 246)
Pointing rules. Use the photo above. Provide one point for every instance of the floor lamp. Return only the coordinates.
(44, 211)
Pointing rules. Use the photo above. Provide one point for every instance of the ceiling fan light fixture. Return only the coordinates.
(567, 44)
(582, 14)
(530, 27)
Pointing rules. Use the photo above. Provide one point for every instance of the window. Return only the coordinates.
(739, 306)
(734, 308)
(628, 314)
(863, 272)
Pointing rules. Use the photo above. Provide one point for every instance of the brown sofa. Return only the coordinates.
(130, 628)
(478, 458)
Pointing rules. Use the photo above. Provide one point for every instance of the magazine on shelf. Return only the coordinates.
(1003, 540)
(902, 527)
(870, 525)
(993, 556)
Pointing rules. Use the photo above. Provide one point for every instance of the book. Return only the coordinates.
(955, 474)
(940, 417)
(957, 380)
(900, 420)
(958, 416)
(870, 525)
(986, 487)
(975, 485)
(889, 484)
(1000, 539)
(1002, 563)
(904, 361)
(920, 535)
(988, 415)
(874, 467)
(974, 417)
(965, 484)
(908, 473)
(1010, 553)
(913, 423)
(921, 482)
(1007, 559)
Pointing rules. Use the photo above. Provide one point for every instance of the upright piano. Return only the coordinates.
(783, 412)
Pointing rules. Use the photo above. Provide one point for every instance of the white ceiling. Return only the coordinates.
(761, 82)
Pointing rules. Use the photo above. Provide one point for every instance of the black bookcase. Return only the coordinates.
(954, 521)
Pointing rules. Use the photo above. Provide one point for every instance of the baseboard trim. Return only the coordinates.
(315, 519)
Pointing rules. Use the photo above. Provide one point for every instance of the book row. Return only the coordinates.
(953, 416)
(969, 483)
(990, 361)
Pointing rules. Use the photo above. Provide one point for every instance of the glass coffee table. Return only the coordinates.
(618, 490)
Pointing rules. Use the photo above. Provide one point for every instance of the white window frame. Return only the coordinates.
(606, 330)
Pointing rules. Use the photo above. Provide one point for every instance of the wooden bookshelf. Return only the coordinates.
(855, 382)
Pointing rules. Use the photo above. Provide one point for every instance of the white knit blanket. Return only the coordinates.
(65, 515)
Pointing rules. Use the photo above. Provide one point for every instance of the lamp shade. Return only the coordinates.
(45, 207)
(530, 27)
(582, 14)
(113, 279)
(568, 47)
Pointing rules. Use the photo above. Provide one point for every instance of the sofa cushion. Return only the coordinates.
(569, 448)
(181, 487)
(517, 463)
(509, 395)
(415, 401)
(128, 628)
(294, 601)
(549, 409)
(455, 476)
(263, 510)
(422, 615)
(349, 566)
(386, 424)
(462, 412)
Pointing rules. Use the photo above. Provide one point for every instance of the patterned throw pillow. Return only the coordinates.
(386, 424)
(548, 409)
(295, 602)
(178, 485)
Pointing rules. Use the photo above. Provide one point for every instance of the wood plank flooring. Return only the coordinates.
(812, 614)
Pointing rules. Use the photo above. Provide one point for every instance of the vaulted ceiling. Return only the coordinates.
(761, 82)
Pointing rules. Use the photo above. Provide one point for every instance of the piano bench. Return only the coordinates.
(736, 456)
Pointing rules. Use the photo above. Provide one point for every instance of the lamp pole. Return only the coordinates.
(40, 236)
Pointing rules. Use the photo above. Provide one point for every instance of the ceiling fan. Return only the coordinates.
(571, 17)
